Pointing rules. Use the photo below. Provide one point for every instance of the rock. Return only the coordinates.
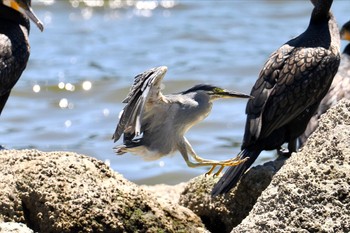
(67, 192)
(222, 213)
(169, 194)
(311, 192)
(14, 227)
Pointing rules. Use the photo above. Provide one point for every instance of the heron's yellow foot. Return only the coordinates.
(210, 170)
(219, 171)
(227, 163)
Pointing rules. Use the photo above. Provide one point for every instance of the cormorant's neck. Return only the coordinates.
(6, 13)
(321, 10)
(347, 49)
(322, 32)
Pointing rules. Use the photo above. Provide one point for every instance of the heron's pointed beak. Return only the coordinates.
(23, 7)
(234, 94)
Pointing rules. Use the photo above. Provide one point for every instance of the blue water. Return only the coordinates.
(218, 42)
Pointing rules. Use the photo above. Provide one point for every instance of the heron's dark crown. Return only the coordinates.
(201, 87)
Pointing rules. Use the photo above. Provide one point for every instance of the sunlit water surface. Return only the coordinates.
(81, 68)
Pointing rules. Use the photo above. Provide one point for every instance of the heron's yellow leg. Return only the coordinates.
(186, 150)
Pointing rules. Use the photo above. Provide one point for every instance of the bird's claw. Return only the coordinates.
(219, 171)
(210, 170)
(228, 163)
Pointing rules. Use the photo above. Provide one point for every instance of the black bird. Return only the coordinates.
(340, 88)
(288, 91)
(345, 35)
(14, 44)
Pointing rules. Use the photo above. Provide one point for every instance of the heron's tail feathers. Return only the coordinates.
(234, 174)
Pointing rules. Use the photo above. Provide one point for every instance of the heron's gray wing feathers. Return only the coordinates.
(146, 86)
(139, 81)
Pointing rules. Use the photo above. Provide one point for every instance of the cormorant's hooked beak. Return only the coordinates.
(23, 6)
(222, 93)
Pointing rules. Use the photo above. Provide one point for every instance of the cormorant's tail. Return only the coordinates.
(233, 174)
(3, 100)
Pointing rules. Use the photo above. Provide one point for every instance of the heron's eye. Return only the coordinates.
(217, 90)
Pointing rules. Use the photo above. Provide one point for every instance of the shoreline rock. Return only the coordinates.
(222, 213)
(68, 192)
(310, 192)
(14, 227)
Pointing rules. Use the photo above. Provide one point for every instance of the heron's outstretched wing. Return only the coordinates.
(146, 87)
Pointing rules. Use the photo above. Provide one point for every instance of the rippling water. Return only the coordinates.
(81, 67)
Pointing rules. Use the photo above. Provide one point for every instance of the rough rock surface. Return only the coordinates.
(14, 227)
(169, 194)
(311, 192)
(67, 192)
(220, 214)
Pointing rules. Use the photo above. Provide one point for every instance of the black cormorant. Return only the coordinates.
(14, 45)
(345, 35)
(339, 89)
(288, 91)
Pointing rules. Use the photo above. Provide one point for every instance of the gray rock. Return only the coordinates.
(222, 213)
(169, 194)
(14, 227)
(311, 192)
(67, 192)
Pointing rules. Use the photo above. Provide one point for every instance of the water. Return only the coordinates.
(217, 42)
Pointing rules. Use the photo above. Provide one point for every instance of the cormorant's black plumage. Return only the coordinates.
(289, 88)
(345, 35)
(14, 45)
(14, 49)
